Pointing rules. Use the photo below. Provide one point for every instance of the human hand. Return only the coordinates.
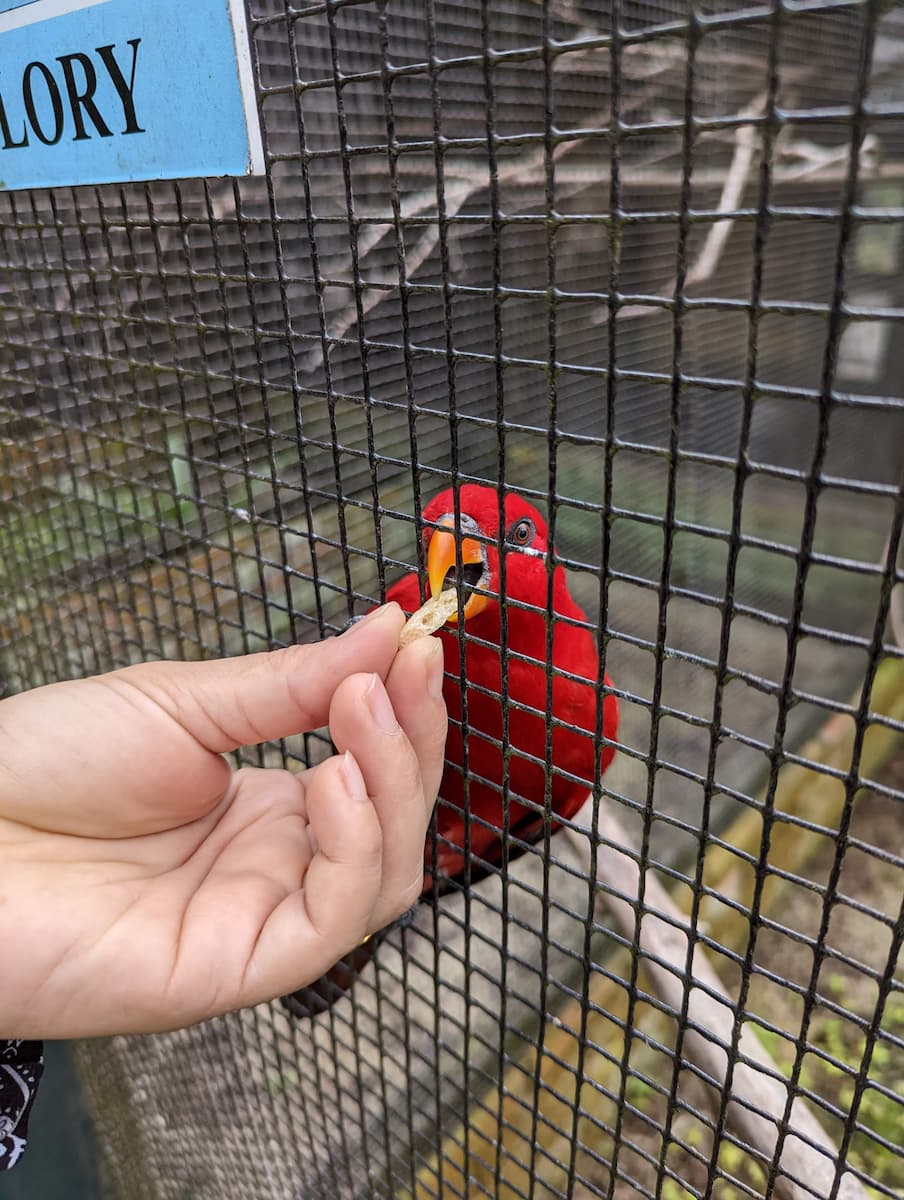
(146, 885)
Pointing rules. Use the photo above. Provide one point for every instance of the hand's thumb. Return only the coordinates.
(231, 702)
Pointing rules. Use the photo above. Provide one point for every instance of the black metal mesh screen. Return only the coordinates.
(643, 263)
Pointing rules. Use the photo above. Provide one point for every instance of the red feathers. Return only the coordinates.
(574, 700)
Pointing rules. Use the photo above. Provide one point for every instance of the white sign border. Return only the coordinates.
(42, 10)
(242, 39)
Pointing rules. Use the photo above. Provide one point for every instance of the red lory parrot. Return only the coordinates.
(575, 690)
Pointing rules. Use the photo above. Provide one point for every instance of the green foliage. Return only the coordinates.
(880, 1115)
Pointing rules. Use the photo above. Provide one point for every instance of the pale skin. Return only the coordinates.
(146, 885)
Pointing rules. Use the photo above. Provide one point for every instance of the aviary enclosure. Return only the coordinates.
(641, 262)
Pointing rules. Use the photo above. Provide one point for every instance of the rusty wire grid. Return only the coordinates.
(643, 263)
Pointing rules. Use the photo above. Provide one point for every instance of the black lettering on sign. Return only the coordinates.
(47, 104)
(8, 143)
(124, 89)
(84, 99)
(56, 101)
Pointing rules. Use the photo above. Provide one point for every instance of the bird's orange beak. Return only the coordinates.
(441, 559)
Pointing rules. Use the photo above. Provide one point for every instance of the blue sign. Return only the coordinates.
(106, 91)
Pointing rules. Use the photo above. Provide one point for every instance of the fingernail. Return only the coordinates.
(353, 779)
(434, 667)
(380, 706)
(376, 614)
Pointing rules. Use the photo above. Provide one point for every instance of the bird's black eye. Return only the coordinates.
(521, 533)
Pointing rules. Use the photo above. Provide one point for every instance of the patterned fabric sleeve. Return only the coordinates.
(21, 1066)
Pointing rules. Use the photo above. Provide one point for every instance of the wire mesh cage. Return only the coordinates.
(640, 263)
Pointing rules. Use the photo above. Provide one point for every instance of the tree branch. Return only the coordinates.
(758, 1092)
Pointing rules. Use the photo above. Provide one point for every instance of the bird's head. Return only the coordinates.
(524, 539)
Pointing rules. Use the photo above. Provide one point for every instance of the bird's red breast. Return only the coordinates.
(575, 683)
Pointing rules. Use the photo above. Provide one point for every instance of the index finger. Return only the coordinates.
(414, 685)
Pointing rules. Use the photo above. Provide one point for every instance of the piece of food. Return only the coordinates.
(430, 616)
